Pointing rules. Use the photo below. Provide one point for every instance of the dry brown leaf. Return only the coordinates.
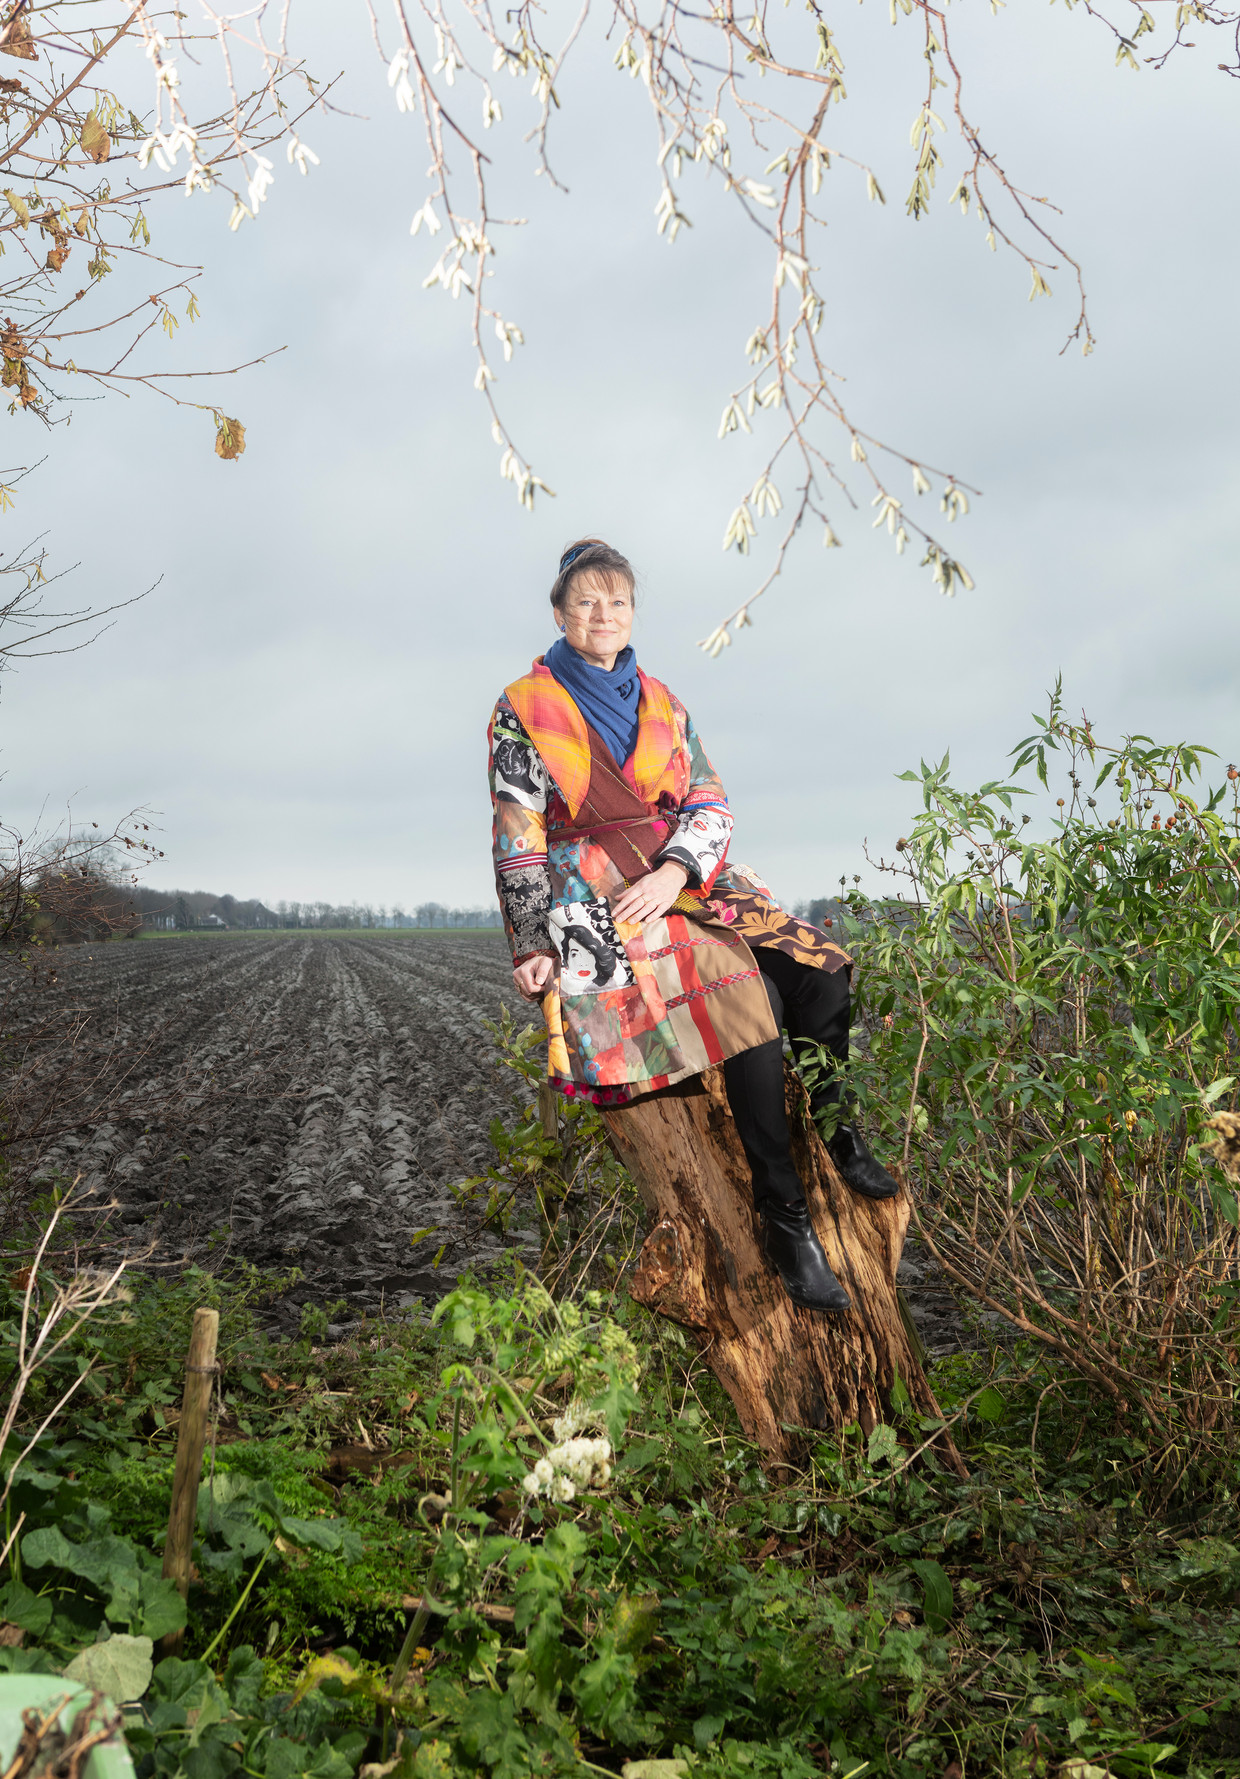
(229, 438)
(15, 35)
(11, 1636)
(95, 139)
(1226, 1146)
(57, 257)
(29, 394)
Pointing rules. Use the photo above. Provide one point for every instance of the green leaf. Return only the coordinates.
(1225, 1202)
(160, 1607)
(20, 1606)
(244, 1678)
(937, 1593)
(327, 1534)
(706, 1730)
(1217, 1088)
(989, 1405)
(119, 1667)
(884, 1442)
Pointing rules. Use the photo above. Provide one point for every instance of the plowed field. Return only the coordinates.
(296, 1102)
(300, 1102)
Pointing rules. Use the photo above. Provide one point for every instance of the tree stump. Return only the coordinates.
(785, 1368)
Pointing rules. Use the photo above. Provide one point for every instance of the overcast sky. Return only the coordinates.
(305, 697)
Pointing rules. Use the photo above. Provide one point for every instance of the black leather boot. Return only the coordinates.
(791, 1245)
(857, 1167)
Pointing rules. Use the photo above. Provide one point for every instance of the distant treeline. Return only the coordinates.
(201, 910)
(60, 903)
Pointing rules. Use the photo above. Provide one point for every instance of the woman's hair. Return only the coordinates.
(603, 954)
(592, 554)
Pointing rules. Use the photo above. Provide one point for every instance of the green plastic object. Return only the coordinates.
(39, 1692)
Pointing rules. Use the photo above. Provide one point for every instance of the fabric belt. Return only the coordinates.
(634, 821)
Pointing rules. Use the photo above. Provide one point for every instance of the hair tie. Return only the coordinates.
(570, 556)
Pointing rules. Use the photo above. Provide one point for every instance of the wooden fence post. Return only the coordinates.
(785, 1368)
(191, 1439)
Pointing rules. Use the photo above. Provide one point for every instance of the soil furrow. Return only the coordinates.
(298, 1101)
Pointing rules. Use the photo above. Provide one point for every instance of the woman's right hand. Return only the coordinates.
(532, 977)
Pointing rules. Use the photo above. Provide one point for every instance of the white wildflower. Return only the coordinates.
(575, 1463)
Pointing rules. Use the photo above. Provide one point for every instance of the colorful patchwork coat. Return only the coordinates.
(632, 1006)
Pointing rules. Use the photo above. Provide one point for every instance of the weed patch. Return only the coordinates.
(529, 1538)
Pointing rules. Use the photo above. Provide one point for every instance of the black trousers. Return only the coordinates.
(813, 1006)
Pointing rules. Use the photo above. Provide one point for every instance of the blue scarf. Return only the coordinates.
(608, 701)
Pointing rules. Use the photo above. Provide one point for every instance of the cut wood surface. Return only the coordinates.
(785, 1368)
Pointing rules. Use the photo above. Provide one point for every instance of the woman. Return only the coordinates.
(652, 956)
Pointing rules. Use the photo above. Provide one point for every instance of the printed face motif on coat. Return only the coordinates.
(708, 836)
(520, 776)
(591, 955)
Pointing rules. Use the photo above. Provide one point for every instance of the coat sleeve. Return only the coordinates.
(520, 788)
(700, 843)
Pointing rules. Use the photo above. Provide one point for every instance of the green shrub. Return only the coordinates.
(1051, 1028)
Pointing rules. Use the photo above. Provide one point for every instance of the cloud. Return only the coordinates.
(306, 696)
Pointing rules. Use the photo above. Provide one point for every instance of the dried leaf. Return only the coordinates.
(57, 257)
(15, 35)
(1226, 1146)
(229, 443)
(95, 139)
(21, 209)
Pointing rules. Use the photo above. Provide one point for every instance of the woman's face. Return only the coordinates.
(597, 617)
(578, 964)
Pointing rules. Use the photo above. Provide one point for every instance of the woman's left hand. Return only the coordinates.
(650, 896)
